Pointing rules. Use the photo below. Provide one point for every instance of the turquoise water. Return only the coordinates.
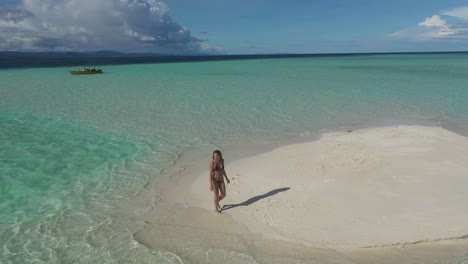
(43, 160)
(74, 148)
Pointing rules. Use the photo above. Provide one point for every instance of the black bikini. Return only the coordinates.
(216, 168)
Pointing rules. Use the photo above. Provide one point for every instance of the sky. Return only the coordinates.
(234, 26)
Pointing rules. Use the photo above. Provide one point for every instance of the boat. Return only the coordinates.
(87, 70)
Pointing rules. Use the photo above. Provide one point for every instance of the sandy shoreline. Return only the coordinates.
(372, 187)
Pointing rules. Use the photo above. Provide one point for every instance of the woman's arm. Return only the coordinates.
(211, 176)
(225, 175)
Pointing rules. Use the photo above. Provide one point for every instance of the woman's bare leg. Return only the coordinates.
(216, 197)
(223, 191)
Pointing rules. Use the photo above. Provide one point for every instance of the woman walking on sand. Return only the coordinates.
(217, 174)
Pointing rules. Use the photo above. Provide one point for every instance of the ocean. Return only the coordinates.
(78, 151)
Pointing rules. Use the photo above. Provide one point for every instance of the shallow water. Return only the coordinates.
(77, 150)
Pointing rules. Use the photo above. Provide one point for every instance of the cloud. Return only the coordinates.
(461, 12)
(83, 25)
(435, 28)
(434, 21)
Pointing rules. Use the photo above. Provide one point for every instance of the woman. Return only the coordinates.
(217, 174)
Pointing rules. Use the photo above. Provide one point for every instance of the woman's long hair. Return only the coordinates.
(219, 153)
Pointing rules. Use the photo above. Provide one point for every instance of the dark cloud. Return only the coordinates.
(82, 25)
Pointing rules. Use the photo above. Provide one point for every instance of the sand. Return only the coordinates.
(348, 192)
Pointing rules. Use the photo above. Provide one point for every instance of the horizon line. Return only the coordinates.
(240, 54)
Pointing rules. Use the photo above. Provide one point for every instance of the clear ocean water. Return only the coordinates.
(76, 150)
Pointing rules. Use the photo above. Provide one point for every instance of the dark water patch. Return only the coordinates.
(11, 60)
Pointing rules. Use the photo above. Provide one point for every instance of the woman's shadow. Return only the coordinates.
(254, 199)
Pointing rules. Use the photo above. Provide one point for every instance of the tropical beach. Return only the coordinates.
(344, 139)
(355, 196)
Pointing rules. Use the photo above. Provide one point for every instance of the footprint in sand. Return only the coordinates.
(235, 180)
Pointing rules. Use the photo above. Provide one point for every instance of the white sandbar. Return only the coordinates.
(371, 187)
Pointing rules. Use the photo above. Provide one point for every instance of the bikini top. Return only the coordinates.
(217, 168)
